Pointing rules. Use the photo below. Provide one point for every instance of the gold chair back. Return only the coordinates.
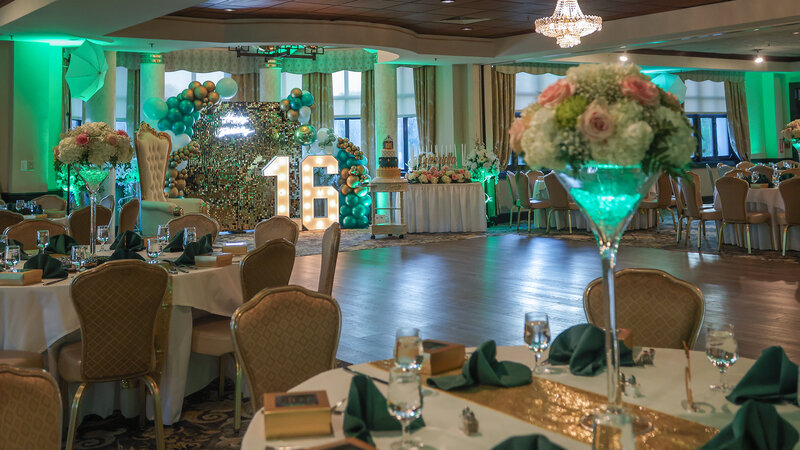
(789, 163)
(533, 176)
(108, 202)
(664, 191)
(276, 227)
(680, 204)
(762, 170)
(152, 153)
(523, 190)
(25, 231)
(733, 198)
(511, 179)
(8, 218)
(736, 173)
(559, 198)
(80, 223)
(690, 195)
(659, 309)
(128, 216)
(117, 305)
(284, 336)
(723, 169)
(795, 171)
(744, 165)
(52, 202)
(790, 191)
(330, 253)
(268, 266)
(31, 413)
(201, 222)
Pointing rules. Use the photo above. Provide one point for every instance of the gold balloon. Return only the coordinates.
(180, 184)
(344, 173)
(173, 192)
(360, 170)
(285, 105)
(360, 191)
(194, 84)
(346, 189)
(172, 173)
(292, 115)
(200, 92)
(198, 105)
(209, 85)
(296, 93)
(213, 97)
(180, 194)
(352, 181)
(188, 94)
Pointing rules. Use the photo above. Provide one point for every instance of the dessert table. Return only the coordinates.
(661, 387)
(764, 199)
(445, 208)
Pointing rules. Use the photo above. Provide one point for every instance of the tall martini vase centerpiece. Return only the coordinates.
(93, 177)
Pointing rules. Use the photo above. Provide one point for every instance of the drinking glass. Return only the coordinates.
(3, 243)
(537, 336)
(102, 235)
(19, 205)
(189, 236)
(42, 239)
(12, 256)
(80, 254)
(408, 353)
(723, 352)
(154, 248)
(404, 402)
(163, 234)
(613, 431)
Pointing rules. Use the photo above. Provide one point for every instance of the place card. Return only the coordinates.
(350, 443)
(236, 248)
(21, 278)
(441, 356)
(296, 414)
(213, 260)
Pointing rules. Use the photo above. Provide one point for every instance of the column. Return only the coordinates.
(385, 109)
(151, 81)
(269, 84)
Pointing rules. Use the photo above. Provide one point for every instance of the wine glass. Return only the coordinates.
(723, 351)
(102, 235)
(189, 235)
(408, 353)
(19, 205)
(154, 248)
(537, 336)
(4, 244)
(12, 255)
(163, 234)
(42, 239)
(80, 253)
(613, 431)
(404, 403)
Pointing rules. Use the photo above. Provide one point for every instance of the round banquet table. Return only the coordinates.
(445, 208)
(661, 386)
(39, 317)
(768, 200)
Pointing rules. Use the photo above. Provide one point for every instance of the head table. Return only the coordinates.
(662, 389)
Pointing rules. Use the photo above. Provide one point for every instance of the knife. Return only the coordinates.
(354, 372)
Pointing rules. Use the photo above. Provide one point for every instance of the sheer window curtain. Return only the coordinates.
(132, 108)
(503, 93)
(368, 114)
(321, 87)
(425, 104)
(248, 87)
(738, 124)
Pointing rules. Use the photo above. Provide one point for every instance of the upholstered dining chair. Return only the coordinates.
(526, 203)
(80, 223)
(790, 192)
(21, 358)
(107, 201)
(25, 231)
(152, 153)
(737, 173)
(559, 199)
(276, 227)
(710, 174)
(268, 266)
(128, 216)
(284, 336)
(761, 169)
(8, 218)
(665, 199)
(680, 206)
(51, 202)
(659, 309)
(30, 417)
(788, 163)
(202, 223)
(744, 165)
(694, 208)
(722, 169)
(118, 304)
(794, 171)
(513, 191)
(533, 177)
(330, 253)
(733, 198)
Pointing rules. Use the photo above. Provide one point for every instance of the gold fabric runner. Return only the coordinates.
(559, 408)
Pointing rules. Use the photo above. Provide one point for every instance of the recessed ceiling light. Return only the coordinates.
(756, 29)
(759, 59)
(466, 29)
(623, 57)
(796, 32)
(229, 9)
(448, 1)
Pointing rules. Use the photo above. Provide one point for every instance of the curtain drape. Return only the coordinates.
(425, 104)
(248, 87)
(66, 103)
(368, 114)
(133, 106)
(321, 87)
(712, 75)
(738, 125)
(503, 94)
(534, 68)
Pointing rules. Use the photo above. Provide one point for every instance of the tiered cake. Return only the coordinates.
(387, 163)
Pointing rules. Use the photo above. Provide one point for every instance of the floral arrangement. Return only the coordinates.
(482, 163)
(93, 143)
(445, 175)
(792, 130)
(607, 114)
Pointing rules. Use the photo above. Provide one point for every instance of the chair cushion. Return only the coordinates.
(69, 362)
(648, 204)
(780, 218)
(21, 358)
(539, 204)
(758, 217)
(710, 214)
(573, 205)
(212, 337)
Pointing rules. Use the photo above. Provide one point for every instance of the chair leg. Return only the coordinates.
(672, 213)
(704, 228)
(530, 211)
(158, 421)
(237, 415)
(569, 220)
(688, 231)
(519, 216)
(680, 229)
(785, 234)
(549, 214)
(747, 231)
(142, 404)
(511, 218)
(222, 377)
(73, 416)
(771, 237)
(719, 236)
(700, 224)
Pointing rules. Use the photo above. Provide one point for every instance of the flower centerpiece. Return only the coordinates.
(445, 175)
(792, 133)
(482, 163)
(607, 131)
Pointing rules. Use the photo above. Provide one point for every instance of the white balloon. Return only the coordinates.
(179, 141)
(322, 134)
(329, 149)
(305, 114)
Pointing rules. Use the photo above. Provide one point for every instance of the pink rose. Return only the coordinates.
(122, 133)
(82, 139)
(640, 90)
(454, 177)
(515, 132)
(430, 178)
(556, 93)
(111, 139)
(596, 123)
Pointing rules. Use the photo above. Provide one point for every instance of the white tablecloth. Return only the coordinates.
(769, 200)
(36, 317)
(445, 208)
(662, 388)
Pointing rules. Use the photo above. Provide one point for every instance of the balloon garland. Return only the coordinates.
(297, 106)
(175, 183)
(355, 202)
(178, 113)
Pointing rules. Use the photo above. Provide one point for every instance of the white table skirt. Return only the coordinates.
(759, 200)
(662, 388)
(445, 208)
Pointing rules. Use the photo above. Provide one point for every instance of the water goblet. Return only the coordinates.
(163, 234)
(537, 337)
(42, 239)
(102, 235)
(12, 256)
(613, 431)
(3, 245)
(408, 352)
(80, 255)
(19, 205)
(154, 248)
(404, 403)
(189, 235)
(722, 351)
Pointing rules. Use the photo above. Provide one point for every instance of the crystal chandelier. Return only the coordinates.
(568, 24)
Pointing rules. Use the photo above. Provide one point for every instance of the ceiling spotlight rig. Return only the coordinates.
(272, 52)
(759, 59)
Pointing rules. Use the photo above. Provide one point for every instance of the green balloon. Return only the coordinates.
(345, 211)
(350, 199)
(174, 115)
(186, 106)
(366, 200)
(360, 210)
(362, 221)
(164, 125)
(178, 128)
(305, 135)
(349, 222)
(155, 108)
(188, 120)
(173, 102)
(196, 115)
(189, 131)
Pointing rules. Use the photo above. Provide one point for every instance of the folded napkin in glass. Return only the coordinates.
(583, 348)
(772, 379)
(60, 244)
(129, 240)
(22, 253)
(124, 253)
(366, 411)
(484, 368)
(175, 243)
(756, 426)
(51, 267)
(527, 442)
(201, 247)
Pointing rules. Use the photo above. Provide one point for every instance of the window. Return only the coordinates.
(176, 82)
(407, 136)
(290, 81)
(347, 105)
(76, 112)
(121, 102)
(705, 108)
(528, 88)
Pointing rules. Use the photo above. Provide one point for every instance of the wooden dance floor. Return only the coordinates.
(472, 290)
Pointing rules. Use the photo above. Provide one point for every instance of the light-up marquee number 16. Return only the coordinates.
(279, 167)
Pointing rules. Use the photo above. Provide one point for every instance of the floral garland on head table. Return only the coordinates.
(482, 163)
(445, 175)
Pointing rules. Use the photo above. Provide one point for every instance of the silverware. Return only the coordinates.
(354, 372)
(335, 408)
(55, 281)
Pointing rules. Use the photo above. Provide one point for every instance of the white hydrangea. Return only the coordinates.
(539, 141)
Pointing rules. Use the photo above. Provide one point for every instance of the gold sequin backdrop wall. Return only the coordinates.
(227, 174)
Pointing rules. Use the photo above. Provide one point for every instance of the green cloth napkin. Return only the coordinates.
(201, 247)
(583, 348)
(786, 176)
(124, 253)
(51, 267)
(772, 379)
(61, 244)
(129, 240)
(756, 426)
(484, 368)
(22, 254)
(366, 411)
(528, 442)
(175, 243)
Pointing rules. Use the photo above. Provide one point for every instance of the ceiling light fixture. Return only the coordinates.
(568, 24)
(623, 57)
(759, 59)
(448, 1)
(274, 52)
(230, 9)
(466, 29)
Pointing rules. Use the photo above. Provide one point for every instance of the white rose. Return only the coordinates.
(446, 179)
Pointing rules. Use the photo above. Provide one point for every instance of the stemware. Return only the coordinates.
(42, 239)
(19, 205)
(408, 352)
(102, 236)
(404, 403)
(189, 236)
(4, 244)
(722, 351)
(12, 255)
(154, 248)
(613, 431)
(537, 337)
(80, 254)
(163, 234)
